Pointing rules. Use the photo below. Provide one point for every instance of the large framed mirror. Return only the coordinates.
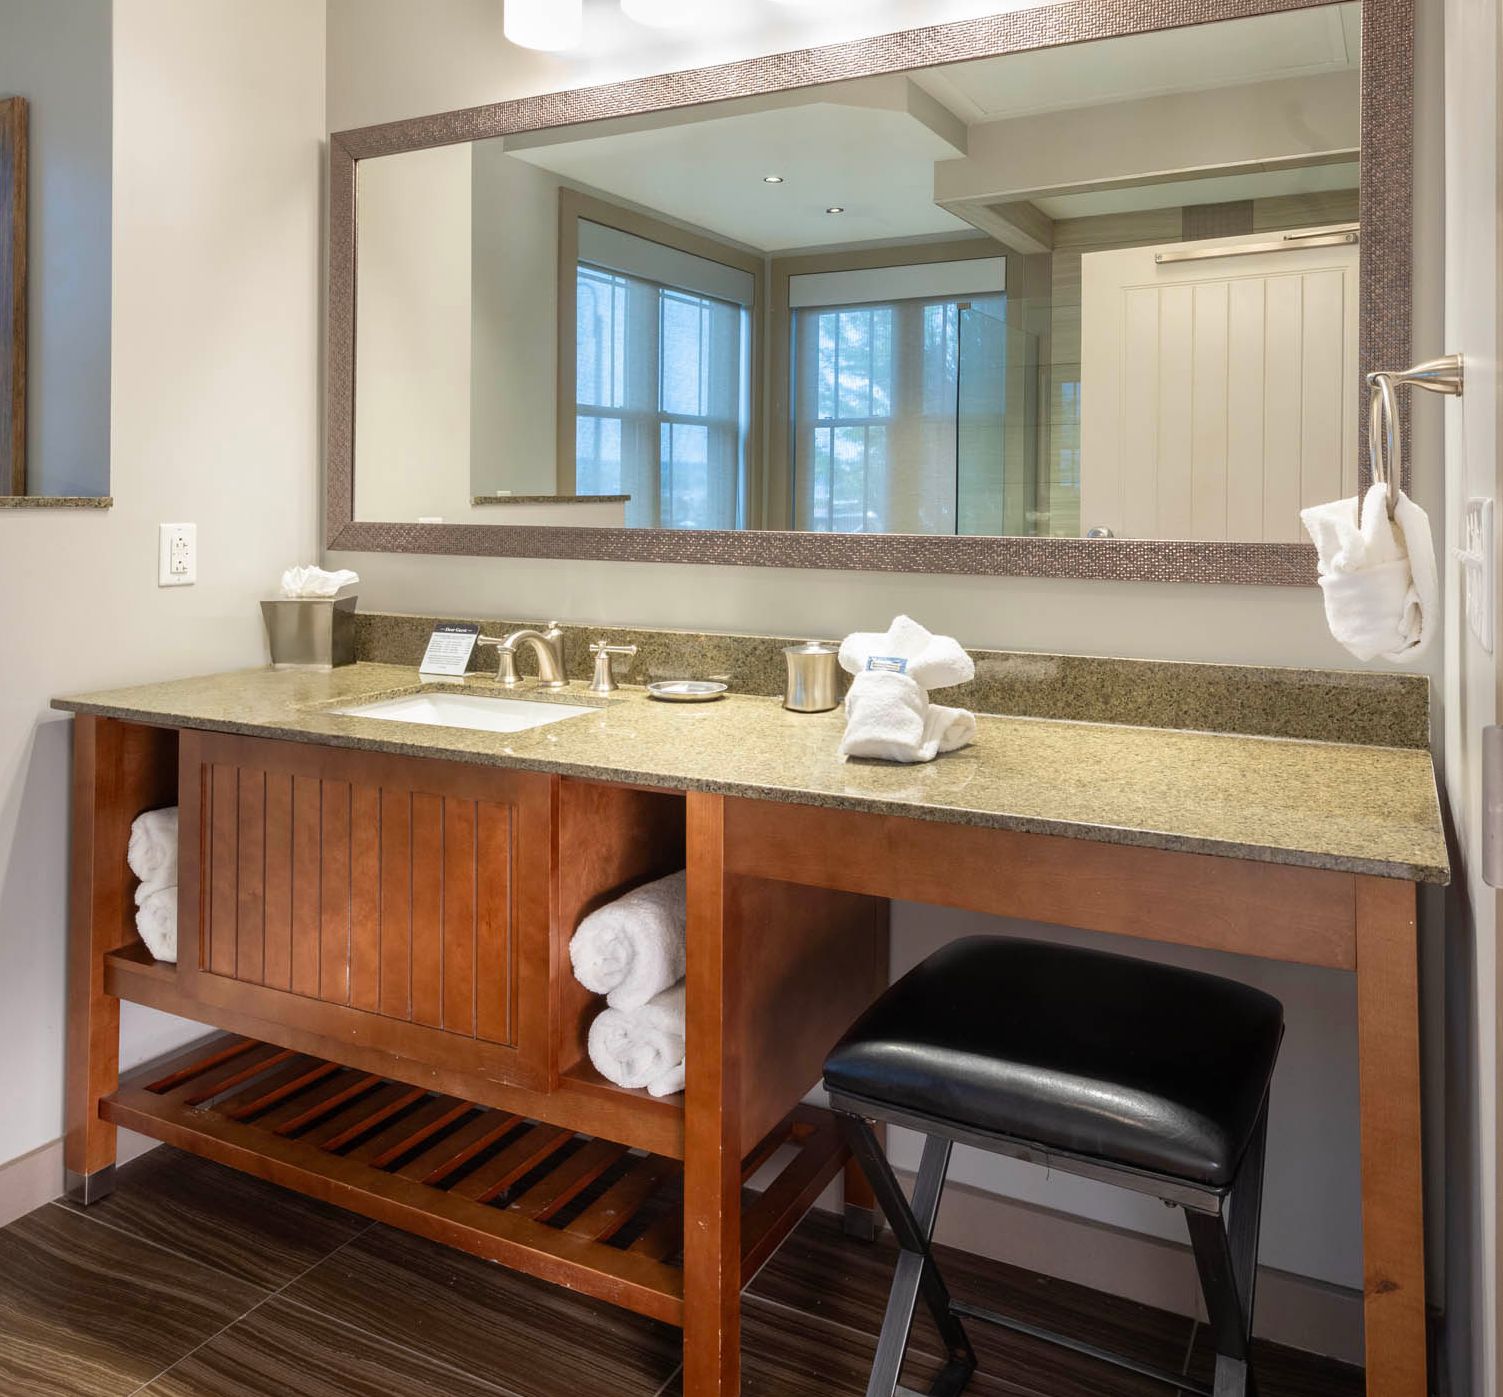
(1087, 289)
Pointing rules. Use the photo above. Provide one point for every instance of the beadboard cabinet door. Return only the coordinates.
(398, 902)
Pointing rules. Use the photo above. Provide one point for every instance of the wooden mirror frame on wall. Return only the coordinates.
(1385, 199)
(13, 184)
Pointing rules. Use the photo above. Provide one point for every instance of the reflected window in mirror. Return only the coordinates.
(662, 381)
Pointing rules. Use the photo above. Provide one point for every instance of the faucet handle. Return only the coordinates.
(604, 681)
(506, 661)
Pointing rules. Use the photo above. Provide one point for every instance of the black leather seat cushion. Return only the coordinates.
(1104, 1056)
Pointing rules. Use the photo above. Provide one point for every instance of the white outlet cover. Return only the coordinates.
(1476, 556)
(177, 555)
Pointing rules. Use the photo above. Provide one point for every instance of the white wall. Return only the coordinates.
(218, 120)
(1474, 48)
(58, 56)
(386, 61)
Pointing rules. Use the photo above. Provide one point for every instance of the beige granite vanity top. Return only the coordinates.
(1361, 809)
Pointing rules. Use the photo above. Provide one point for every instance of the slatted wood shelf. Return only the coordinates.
(591, 1214)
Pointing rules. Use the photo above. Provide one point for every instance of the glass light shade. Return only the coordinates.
(661, 14)
(549, 25)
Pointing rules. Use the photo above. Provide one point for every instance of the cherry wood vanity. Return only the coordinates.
(379, 923)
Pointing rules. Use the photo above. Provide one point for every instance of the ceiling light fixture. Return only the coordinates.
(661, 14)
(549, 25)
(772, 179)
(835, 208)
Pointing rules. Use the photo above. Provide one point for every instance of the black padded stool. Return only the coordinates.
(1142, 1075)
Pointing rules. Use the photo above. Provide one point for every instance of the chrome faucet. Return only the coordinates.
(549, 646)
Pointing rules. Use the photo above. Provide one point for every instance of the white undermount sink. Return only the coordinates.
(479, 711)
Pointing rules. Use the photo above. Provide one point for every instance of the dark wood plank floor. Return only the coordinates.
(195, 1281)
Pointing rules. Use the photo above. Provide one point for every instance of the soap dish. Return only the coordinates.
(687, 690)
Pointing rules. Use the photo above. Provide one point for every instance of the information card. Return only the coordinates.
(449, 649)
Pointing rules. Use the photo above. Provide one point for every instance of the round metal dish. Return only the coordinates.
(687, 690)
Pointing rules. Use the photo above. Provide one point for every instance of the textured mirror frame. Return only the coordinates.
(1385, 201)
(13, 284)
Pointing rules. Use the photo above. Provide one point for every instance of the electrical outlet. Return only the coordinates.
(177, 555)
(1476, 558)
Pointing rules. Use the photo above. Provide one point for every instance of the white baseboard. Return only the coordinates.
(37, 1178)
(1297, 1311)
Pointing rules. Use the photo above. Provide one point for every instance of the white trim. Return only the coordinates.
(603, 246)
(976, 276)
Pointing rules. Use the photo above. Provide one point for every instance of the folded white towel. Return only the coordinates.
(633, 948)
(1378, 575)
(642, 1047)
(152, 851)
(933, 661)
(156, 920)
(888, 716)
(315, 582)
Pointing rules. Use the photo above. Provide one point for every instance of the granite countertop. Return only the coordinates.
(1361, 809)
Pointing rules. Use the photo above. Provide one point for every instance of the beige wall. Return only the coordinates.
(385, 62)
(215, 416)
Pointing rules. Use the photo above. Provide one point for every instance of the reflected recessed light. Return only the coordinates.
(772, 179)
(549, 25)
(661, 14)
(835, 208)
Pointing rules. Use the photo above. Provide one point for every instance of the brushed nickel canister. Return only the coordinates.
(310, 632)
(813, 677)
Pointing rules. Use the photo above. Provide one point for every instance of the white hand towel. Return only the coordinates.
(315, 582)
(152, 851)
(156, 921)
(641, 1047)
(888, 717)
(1378, 575)
(633, 948)
(933, 661)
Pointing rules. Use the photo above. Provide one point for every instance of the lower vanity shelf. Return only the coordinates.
(589, 1214)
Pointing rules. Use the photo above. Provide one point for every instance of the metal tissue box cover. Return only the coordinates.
(310, 632)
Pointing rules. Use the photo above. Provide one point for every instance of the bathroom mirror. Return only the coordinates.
(1085, 299)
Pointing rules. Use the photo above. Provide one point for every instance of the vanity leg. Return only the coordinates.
(1393, 1238)
(95, 919)
(712, 1143)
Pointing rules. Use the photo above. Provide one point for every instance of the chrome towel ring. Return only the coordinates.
(1385, 446)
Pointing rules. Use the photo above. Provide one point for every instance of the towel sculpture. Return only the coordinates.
(1378, 575)
(633, 951)
(888, 715)
(152, 857)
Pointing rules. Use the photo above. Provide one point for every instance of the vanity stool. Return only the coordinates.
(1142, 1075)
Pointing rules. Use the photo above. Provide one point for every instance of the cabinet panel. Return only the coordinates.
(343, 887)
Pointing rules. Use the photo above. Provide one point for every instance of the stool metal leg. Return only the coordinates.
(1226, 1254)
(916, 1271)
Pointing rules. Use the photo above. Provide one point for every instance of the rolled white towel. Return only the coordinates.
(889, 718)
(152, 851)
(1378, 575)
(634, 948)
(932, 661)
(156, 920)
(669, 1084)
(641, 1047)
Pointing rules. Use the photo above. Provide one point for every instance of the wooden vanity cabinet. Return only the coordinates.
(396, 902)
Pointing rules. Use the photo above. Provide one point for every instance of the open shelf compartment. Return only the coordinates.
(589, 1214)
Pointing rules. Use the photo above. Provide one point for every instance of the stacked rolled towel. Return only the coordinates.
(642, 1047)
(888, 713)
(633, 952)
(152, 857)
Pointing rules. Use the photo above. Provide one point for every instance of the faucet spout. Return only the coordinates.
(548, 646)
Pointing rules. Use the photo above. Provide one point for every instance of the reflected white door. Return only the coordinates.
(1218, 397)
